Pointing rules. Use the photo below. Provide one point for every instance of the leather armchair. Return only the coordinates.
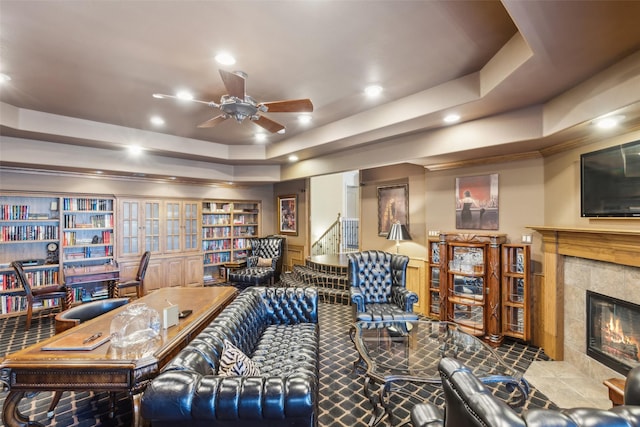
(264, 248)
(377, 283)
(468, 403)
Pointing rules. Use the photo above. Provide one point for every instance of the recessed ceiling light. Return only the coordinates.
(99, 172)
(184, 95)
(608, 122)
(293, 158)
(304, 118)
(261, 137)
(135, 149)
(282, 131)
(157, 120)
(4, 78)
(451, 118)
(172, 178)
(225, 59)
(158, 95)
(373, 90)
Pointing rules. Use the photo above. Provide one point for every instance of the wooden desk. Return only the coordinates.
(107, 368)
(79, 276)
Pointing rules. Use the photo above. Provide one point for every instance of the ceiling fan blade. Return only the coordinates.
(234, 83)
(214, 121)
(268, 124)
(289, 106)
(163, 96)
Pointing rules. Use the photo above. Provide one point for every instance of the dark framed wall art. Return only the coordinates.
(393, 205)
(477, 202)
(287, 215)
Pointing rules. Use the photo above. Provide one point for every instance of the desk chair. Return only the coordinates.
(40, 293)
(137, 283)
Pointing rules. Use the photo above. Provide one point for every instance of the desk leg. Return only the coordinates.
(137, 420)
(11, 416)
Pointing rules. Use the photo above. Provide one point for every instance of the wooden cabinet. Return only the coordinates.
(434, 301)
(415, 282)
(170, 230)
(516, 260)
(30, 232)
(472, 291)
(227, 227)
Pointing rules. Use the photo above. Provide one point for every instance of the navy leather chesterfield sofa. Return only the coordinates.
(468, 403)
(278, 329)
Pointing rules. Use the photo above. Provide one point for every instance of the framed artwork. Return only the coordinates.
(287, 215)
(477, 202)
(393, 205)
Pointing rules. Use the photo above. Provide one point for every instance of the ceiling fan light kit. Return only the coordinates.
(238, 105)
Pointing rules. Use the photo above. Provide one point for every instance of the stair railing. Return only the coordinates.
(340, 237)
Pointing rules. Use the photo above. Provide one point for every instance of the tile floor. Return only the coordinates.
(566, 386)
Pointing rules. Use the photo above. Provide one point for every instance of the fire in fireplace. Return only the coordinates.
(613, 332)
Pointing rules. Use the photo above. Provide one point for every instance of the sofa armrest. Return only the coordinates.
(357, 297)
(404, 298)
(427, 415)
(183, 396)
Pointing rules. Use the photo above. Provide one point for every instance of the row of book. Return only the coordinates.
(14, 303)
(79, 254)
(216, 245)
(81, 294)
(14, 212)
(214, 233)
(87, 204)
(217, 258)
(9, 281)
(95, 221)
(14, 233)
(70, 238)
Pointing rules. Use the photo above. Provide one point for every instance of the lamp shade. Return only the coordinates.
(398, 232)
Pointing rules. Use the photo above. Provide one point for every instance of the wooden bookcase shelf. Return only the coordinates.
(227, 226)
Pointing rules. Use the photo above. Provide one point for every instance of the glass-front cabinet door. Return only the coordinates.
(129, 219)
(191, 230)
(152, 226)
(172, 226)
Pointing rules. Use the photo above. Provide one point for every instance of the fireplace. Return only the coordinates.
(613, 332)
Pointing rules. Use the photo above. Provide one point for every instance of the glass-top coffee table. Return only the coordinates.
(403, 353)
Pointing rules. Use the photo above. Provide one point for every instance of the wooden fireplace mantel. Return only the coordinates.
(615, 246)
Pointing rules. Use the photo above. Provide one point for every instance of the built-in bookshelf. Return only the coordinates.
(88, 242)
(29, 232)
(88, 230)
(227, 227)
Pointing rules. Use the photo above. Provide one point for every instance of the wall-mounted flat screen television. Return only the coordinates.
(610, 181)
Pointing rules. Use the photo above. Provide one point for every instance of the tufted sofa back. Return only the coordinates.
(375, 272)
(243, 322)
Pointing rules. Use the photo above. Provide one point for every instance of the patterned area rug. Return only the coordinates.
(342, 401)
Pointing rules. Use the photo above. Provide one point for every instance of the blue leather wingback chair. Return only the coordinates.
(269, 249)
(377, 282)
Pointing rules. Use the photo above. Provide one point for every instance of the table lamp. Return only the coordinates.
(398, 232)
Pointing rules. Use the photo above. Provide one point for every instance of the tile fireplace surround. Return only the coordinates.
(577, 260)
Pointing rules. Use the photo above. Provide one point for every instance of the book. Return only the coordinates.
(77, 341)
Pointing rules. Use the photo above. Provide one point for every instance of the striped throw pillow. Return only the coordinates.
(235, 363)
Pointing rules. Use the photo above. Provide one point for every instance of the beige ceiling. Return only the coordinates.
(524, 76)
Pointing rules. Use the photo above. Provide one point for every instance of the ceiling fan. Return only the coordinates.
(238, 105)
